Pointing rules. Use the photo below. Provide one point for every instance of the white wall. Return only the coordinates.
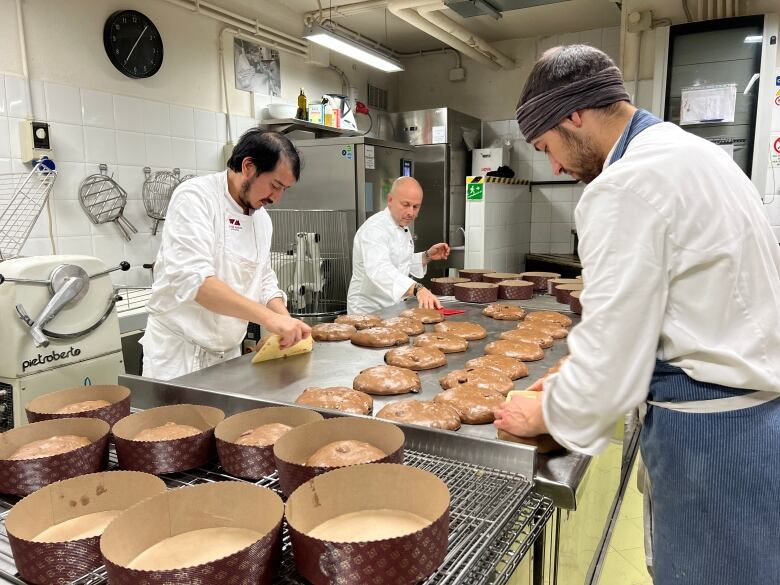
(487, 94)
(173, 119)
(65, 45)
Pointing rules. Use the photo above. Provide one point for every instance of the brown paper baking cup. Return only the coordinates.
(445, 286)
(250, 461)
(516, 290)
(563, 292)
(402, 560)
(473, 274)
(476, 292)
(294, 448)
(214, 506)
(539, 279)
(45, 407)
(574, 302)
(166, 456)
(27, 475)
(496, 277)
(69, 555)
(554, 282)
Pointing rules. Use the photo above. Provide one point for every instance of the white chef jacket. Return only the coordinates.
(382, 259)
(680, 263)
(207, 234)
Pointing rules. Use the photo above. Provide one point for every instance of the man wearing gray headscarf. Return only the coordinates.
(681, 308)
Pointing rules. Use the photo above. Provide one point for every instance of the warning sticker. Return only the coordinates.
(774, 150)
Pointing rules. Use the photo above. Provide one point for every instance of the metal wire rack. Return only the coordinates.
(494, 520)
(311, 255)
(26, 194)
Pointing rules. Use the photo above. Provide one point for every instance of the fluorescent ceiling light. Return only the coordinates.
(357, 51)
(754, 39)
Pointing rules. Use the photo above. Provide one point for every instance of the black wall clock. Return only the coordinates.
(133, 44)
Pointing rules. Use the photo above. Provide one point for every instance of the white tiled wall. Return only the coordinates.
(552, 213)
(90, 127)
(498, 228)
(552, 206)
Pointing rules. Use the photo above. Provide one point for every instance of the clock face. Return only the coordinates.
(133, 44)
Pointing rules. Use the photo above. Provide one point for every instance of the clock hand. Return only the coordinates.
(138, 40)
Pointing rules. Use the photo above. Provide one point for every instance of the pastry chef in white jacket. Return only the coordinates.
(383, 256)
(213, 274)
(680, 316)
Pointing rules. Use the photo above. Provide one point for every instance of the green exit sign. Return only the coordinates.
(475, 192)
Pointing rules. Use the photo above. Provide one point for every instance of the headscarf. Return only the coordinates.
(545, 111)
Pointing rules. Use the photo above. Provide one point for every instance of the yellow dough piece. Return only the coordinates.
(269, 349)
(524, 393)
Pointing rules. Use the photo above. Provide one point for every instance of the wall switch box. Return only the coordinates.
(34, 140)
(457, 74)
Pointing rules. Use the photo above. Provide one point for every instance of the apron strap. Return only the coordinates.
(727, 404)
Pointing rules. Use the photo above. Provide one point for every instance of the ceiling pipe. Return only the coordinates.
(249, 27)
(435, 17)
(425, 15)
(407, 10)
(343, 10)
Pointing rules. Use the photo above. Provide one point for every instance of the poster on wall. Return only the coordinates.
(256, 68)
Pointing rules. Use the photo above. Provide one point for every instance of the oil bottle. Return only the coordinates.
(303, 110)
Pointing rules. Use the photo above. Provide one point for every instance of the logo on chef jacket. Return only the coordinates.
(49, 358)
(234, 224)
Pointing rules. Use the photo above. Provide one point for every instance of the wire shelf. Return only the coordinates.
(26, 194)
(133, 298)
(494, 520)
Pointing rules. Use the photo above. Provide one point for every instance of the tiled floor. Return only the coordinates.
(625, 563)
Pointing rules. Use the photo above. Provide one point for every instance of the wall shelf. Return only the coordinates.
(287, 125)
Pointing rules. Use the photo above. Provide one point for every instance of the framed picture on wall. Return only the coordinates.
(256, 68)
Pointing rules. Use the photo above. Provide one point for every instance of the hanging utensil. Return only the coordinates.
(104, 200)
(156, 193)
(27, 193)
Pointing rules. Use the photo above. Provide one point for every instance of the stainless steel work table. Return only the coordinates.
(556, 475)
(591, 486)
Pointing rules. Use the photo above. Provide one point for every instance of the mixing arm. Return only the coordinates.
(68, 283)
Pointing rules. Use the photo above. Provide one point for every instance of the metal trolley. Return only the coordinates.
(311, 254)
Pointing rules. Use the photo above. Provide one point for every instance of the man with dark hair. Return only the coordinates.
(681, 314)
(213, 273)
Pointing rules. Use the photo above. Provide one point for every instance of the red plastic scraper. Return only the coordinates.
(448, 312)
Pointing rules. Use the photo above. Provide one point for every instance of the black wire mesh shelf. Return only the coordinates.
(494, 521)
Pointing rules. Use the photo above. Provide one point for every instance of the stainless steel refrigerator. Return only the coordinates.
(348, 174)
(442, 140)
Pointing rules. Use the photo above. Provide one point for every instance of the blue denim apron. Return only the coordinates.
(714, 471)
